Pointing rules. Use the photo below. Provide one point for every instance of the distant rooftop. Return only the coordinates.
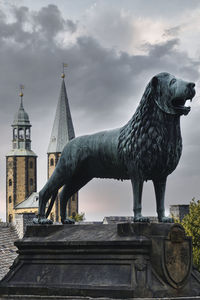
(30, 202)
(20, 152)
(8, 235)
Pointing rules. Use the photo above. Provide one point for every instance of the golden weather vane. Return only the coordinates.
(21, 94)
(21, 90)
(64, 66)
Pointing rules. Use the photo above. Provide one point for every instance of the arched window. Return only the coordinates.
(52, 162)
(31, 181)
(73, 214)
(14, 133)
(10, 182)
(10, 218)
(52, 216)
(27, 133)
(31, 165)
(21, 133)
(10, 199)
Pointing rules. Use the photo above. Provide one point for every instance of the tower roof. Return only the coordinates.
(21, 117)
(21, 142)
(63, 129)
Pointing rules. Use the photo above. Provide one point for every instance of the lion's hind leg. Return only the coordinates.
(44, 196)
(64, 197)
(68, 191)
(43, 199)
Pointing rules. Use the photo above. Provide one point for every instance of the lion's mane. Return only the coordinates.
(150, 143)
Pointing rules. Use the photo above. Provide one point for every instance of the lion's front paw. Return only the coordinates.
(141, 219)
(166, 220)
(44, 221)
(68, 221)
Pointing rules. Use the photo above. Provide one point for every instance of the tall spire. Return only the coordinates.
(63, 129)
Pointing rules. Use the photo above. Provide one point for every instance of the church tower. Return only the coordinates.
(21, 178)
(62, 133)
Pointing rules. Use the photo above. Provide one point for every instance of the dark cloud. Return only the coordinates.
(49, 20)
(172, 31)
(104, 85)
(71, 26)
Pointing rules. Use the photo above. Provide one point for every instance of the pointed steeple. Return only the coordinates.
(63, 129)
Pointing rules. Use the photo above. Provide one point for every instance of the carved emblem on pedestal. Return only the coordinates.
(177, 257)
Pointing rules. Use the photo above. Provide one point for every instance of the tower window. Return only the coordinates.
(52, 216)
(52, 162)
(10, 218)
(73, 198)
(10, 182)
(27, 133)
(31, 165)
(31, 181)
(10, 199)
(14, 133)
(21, 133)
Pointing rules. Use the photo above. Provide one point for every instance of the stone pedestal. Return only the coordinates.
(125, 260)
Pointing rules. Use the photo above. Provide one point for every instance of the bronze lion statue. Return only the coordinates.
(148, 147)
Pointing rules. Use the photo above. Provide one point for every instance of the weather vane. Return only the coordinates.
(21, 93)
(21, 90)
(64, 66)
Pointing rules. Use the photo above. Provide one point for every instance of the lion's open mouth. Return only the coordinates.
(179, 104)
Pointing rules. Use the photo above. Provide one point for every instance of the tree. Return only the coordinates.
(79, 217)
(191, 224)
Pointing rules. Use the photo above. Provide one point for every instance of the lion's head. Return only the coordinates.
(171, 93)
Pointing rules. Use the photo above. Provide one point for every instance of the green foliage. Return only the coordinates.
(191, 224)
(175, 219)
(78, 217)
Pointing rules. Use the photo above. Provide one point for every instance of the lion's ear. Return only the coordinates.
(154, 82)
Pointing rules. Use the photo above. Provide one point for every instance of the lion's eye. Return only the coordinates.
(172, 81)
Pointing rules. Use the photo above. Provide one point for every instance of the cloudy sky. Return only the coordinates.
(113, 48)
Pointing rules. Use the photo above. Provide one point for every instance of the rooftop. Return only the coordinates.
(21, 117)
(21, 152)
(8, 235)
(30, 202)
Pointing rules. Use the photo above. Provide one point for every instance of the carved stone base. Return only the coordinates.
(127, 260)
